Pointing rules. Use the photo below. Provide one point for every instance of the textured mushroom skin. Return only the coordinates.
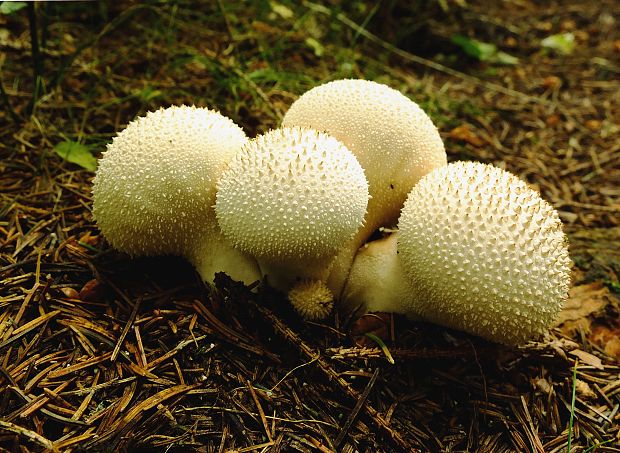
(154, 190)
(485, 253)
(291, 197)
(394, 140)
(312, 299)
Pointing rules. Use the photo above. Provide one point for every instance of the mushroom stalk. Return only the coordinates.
(377, 281)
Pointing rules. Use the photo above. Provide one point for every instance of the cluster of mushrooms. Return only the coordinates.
(469, 246)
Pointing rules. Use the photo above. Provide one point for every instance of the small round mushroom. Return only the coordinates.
(479, 251)
(312, 299)
(154, 190)
(394, 140)
(291, 198)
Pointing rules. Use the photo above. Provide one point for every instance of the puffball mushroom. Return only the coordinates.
(480, 252)
(154, 190)
(394, 140)
(291, 197)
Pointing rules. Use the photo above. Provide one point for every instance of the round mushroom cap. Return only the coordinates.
(291, 193)
(154, 190)
(394, 140)
(485, 252)
(312, 299)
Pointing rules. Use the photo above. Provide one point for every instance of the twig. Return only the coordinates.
(24, 432)
(125, 331)
(356, 410)
(260, 409)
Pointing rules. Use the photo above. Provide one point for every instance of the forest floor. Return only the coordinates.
(101, 352)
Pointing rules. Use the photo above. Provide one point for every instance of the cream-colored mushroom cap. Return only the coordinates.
(292, 193)
(485, 253)
(154, 190)
(394, 140)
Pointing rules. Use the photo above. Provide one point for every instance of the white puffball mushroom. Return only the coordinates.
(154, 189)
(312, 299)
(291, 198)
(481, 252)
(394, 140)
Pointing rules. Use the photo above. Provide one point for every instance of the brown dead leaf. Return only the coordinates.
(551, 82)
(553, 120)
(93, 291)
(583, 300)
(583, 389)
(588, 359)
(593, 125)
(608, 337)
(465, 134)
(375, 323)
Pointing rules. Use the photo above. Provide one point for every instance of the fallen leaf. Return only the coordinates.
(583, 389)
(553, 120)
(377, 324)
(465, 134)
(76, 153)
(608, 337)
(593, 125)
(588, 359)
(551, 82)
(584, 300)
(562, 43)
(92, 291)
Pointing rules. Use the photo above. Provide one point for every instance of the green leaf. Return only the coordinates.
(148, 94)
(563, 43)
(316, 46)
(283, 11)
(483, 51)
(506, 58)
(11, 7)
(76, 153)
(383, 347)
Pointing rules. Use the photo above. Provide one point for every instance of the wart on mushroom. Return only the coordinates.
(478, 250)
(154, 190)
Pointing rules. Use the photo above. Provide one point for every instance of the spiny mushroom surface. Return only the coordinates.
(481, 252)
(394, 140)
(290, 198)
(312, 299)
(154, 190)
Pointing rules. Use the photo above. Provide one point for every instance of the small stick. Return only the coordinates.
(260, 409)
(356, 410)
(125, 331)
